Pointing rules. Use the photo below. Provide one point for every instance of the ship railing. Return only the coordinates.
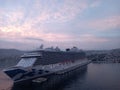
(60, 66)
(31, 54)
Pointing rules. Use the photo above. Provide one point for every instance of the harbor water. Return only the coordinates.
(97, 76)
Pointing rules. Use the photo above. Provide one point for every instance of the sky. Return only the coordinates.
(86, 24)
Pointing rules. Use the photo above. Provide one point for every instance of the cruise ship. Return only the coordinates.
(41, 64)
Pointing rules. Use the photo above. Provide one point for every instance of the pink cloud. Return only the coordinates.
(68, 10)
(11, 17)
(18, 33)
(101, 24)
(92, 38)
(105, 24)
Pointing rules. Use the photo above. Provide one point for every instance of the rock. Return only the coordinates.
(5, 81)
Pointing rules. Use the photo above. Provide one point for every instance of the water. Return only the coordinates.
(96, 77)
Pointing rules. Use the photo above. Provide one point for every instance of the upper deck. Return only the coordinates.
(50, 56)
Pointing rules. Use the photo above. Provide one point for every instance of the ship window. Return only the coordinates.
(26, 62)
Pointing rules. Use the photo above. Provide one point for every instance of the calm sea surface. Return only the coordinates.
(96, 77)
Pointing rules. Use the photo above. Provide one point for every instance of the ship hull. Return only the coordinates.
(57, 80)
(52, 79)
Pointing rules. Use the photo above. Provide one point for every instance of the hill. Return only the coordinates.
(9, 57)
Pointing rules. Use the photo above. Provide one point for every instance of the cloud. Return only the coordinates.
(95, 4)
(101, 24)
(60, 12)
(92, 38)
(106, 23)
(22, 32)
(46, 11)
(11, 17)
(40, 19)
(70, 9)
(33, 39)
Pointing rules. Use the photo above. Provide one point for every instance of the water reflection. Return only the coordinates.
(99, 77)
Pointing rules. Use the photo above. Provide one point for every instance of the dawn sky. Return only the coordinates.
(87, 24)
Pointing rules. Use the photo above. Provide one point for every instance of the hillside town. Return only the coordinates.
(108, 56)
